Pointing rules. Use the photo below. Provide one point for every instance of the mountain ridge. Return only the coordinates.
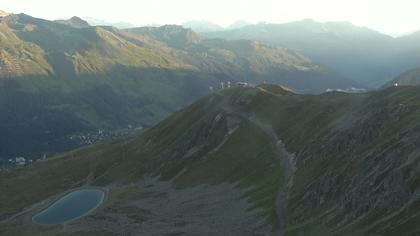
(75, 21)
(362, 54)
(242, 53)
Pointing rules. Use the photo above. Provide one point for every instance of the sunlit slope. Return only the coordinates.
(87, 49)
(20, 58)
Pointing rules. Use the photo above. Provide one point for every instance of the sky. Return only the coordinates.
(393, 17)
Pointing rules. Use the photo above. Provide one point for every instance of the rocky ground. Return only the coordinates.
(154, 207)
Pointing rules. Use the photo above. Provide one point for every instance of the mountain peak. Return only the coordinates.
(75, 22)
(202, 26)
(238, 24)
(77, 19)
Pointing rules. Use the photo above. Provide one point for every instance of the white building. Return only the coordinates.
(242, 84)
(20, 161)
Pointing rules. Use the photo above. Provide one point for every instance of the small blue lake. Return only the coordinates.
(72, 206)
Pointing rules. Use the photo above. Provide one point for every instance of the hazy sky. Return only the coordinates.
(389, 16)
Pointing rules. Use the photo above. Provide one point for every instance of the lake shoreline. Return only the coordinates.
(56, 199)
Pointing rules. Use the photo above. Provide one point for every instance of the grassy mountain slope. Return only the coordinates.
(43, 116)
(89, 49)
(20, 58)
(330, 164)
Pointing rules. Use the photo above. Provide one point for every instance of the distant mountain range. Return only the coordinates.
(243, 161)
(207, 26)
(99, 22)
(359, 53)
(64, 78)
(202, 26)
